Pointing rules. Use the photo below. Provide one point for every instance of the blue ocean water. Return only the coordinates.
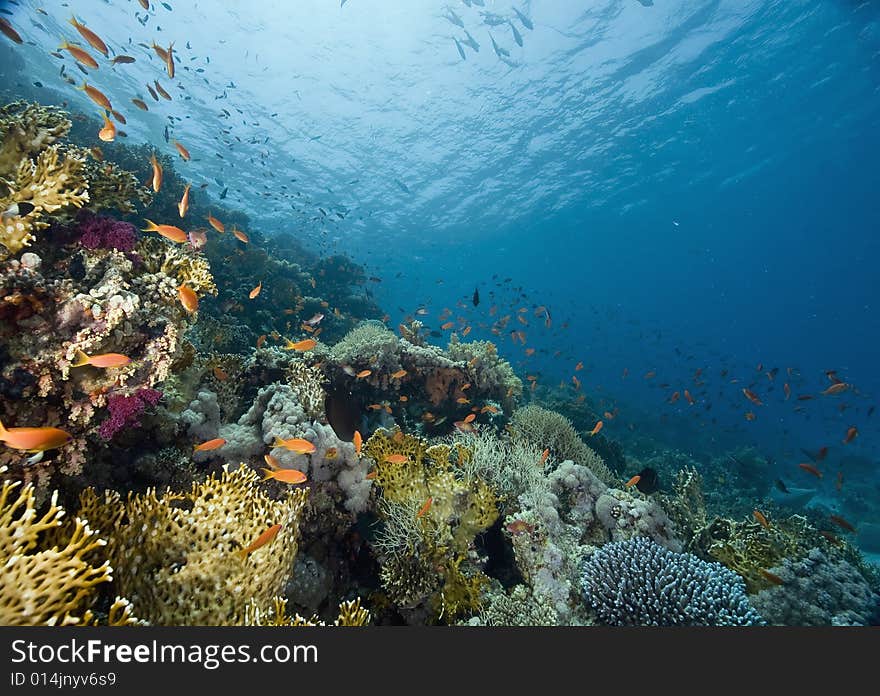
(685, 185)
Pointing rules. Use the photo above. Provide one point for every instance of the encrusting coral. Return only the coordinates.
(175, 555)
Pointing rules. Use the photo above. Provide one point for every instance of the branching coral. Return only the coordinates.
(431, 517)
(174, 556)
(25, 130)
(640, 583)
(178, 261)
(43, 583)
(351, 613)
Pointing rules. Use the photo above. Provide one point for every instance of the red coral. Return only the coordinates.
(125, 411)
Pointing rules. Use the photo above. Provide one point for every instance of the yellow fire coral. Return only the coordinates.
(351, 613)
(431, 517)
(25, 130)
(43, 583)
(175, 556)
(49, 183)
(180, 261)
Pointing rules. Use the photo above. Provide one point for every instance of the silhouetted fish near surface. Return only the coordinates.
(781, 485)
(223, 194)
(649, 481)
(476, 296)
(526, 22)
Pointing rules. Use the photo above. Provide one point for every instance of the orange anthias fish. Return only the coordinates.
(448, 325)
(579, 366)
(90, 36)
(596, 428)
(633, 481)
(424, 509)
(771, 577)
(363, 373)
(141, 104)
(469, 418)
(183, 206)
(271, 461)
(161, 52)
(358, 442)
(836, 388)
(240, 236)
(758, 515)
(145, 4)
(34, 440)
(119, 117)
(80, 55)
(96, 96)
(220, 375)
(304, 345)
(157, 173)
(291, 476)
(396, 458)
(216, 443)
(787, 391)
(261, 540)
(842, 523)
(295, 444)
(7, 29)
(104, 360)
(464, 426)
(216, 224)
(751, 396)
(810, 469)
(690, 399)
(256, 291)
(261, 339)
(175, 234)
(675, 397)
(161, 91)
(851, 434)
(169, 62)
(108, 131)
(184, 153)
(544, 455)
(188, 298)
(399, 374)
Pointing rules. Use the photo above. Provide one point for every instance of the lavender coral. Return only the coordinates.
(639, 583)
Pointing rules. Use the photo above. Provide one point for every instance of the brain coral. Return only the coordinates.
(640, 583)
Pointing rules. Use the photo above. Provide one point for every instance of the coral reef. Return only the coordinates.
(44, 583)
(547, 429)
(183, 545)
(430, 519)
(640, 583)
(818, 591)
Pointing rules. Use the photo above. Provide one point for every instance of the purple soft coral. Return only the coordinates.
(125, 411)
(99, 232)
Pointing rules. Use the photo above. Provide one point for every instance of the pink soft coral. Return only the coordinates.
(125, 411)
(99, 232)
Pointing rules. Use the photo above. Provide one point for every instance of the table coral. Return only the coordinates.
(174, 556)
